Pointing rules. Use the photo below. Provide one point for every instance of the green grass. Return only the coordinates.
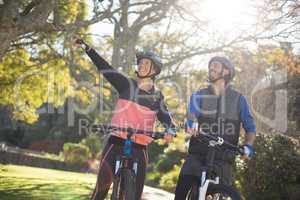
(29, 183)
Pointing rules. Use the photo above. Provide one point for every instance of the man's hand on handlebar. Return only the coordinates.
(248, 152)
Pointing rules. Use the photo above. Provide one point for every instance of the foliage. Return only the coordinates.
(26, 85)
(36, 70)
(168, 180)
(75, 154)
(93, 143)
(172, 155)
(78, 153)
(274, 169)
(256, 64)
(51, 71)
(264, 73)
(165, 167)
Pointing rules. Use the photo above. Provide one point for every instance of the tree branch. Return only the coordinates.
(29, 7)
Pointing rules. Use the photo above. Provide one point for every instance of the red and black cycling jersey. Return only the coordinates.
(135, 108)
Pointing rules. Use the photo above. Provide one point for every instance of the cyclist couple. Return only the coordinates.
(140, 103)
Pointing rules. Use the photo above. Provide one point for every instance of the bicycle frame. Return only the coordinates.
(204, 182)
(122, 163)
(126, 156)
(203, 187)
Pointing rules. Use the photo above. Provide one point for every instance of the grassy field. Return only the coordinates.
(28, 183)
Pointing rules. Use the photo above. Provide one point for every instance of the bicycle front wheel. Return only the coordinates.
(129, 183)
(193, 193)
(124, 186)
(221, 192)
(116, 191)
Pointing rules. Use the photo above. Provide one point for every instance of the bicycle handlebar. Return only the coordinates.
(108, 128)
(238, 148)
(159, 135)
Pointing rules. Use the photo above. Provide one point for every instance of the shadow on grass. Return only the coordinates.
(38, 189)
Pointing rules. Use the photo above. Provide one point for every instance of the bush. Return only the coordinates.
(273, 171)
(94, 144)
(165, 167)
(75, 154)
(168, 181)
(172, 155)
(168, 160)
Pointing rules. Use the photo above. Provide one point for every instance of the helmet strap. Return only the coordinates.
(226, 78)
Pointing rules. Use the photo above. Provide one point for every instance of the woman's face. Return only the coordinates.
(145, 67)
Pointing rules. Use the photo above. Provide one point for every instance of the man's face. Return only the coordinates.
(215, 70)
(145, 67)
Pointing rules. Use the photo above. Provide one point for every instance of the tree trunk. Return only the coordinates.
(14, 23)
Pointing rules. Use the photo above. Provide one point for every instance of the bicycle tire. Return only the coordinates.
(193, 193)
(224, 192)
(129, 180)
(116, 188)
(124, 186)
(214, 192)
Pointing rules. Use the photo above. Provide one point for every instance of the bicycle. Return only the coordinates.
(211, 188)
(124, 182)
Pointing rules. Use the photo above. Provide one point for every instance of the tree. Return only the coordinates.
(280, 19)
(22, 17)
(278, 66)
(165, 26)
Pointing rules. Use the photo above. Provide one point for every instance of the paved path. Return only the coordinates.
(150, 193)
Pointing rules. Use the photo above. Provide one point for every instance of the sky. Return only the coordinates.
(228, 18)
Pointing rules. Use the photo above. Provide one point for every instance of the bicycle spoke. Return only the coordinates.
(218, 197)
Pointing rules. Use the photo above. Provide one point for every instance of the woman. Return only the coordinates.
(138, 106)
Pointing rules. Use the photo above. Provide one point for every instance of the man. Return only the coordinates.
(218, 110)
(138, 106)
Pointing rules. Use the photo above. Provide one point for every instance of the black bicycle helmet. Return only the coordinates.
(153, 57)
(225, 63)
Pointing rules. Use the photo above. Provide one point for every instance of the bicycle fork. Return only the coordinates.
(204, 185)
(120, 164)
(210, 161)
